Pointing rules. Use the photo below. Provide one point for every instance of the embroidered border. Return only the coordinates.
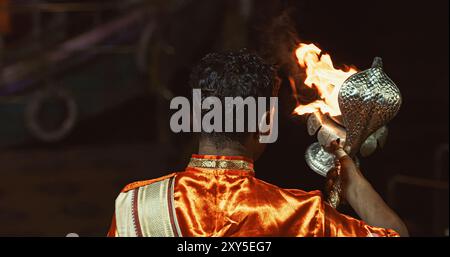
(172, 212)
(156, 209)
(135, 213)
(221, 164)
(148, 211)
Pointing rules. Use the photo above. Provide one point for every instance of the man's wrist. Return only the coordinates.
(355, 182)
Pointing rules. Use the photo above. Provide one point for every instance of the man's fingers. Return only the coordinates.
(347, 163)
(334, 145)
(340, 153)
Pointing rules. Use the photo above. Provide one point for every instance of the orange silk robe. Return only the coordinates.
(220, 196)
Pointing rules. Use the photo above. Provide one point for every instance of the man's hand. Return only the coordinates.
(366, 202)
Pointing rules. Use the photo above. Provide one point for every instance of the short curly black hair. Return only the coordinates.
(234, 74)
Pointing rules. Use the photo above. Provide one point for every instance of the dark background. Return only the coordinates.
(54, 188)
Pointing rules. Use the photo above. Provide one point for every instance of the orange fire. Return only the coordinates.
(320, 74)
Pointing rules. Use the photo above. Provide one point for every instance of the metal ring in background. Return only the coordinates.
(34, 106)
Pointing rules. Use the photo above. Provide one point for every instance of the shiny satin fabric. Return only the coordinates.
(220, 196)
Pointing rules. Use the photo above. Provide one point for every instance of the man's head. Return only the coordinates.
(233, 74)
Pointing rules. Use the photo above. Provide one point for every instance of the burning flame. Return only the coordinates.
(320, 74)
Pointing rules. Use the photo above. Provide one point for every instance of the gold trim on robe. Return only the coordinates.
(147, 210)
(221, 164)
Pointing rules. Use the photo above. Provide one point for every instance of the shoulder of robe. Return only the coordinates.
(142, 183)
(315, 194)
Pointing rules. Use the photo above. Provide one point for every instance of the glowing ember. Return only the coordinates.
(320, 74)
